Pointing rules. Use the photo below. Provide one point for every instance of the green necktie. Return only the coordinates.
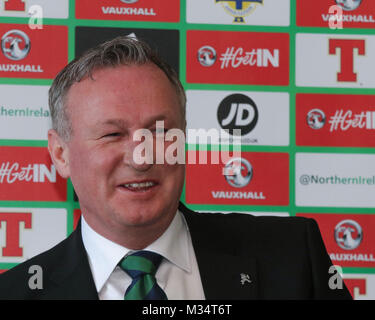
(141, 266)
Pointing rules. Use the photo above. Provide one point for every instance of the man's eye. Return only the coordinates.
(112, 134)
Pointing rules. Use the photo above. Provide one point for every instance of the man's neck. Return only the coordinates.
(131, 237)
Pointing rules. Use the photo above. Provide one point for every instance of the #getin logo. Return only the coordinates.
(341, 120)
(348, 5)
(348, 234)
(239, 8)
(15, 45)
(236, 57)
(237, 112)
(34, 173)
(238, 172)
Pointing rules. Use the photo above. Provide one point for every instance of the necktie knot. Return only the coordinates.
(141, 263)
(141, 266)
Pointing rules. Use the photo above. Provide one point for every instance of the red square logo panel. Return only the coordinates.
(32, 53)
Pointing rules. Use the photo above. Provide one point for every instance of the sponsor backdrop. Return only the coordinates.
(296, 76)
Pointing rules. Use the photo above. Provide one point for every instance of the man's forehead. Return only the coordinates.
(99, 72)
(120, 76)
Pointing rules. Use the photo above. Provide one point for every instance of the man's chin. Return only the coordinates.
(141, 217)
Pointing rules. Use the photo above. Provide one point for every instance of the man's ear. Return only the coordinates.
(59, 153)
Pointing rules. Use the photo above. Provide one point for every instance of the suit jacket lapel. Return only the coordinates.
(72, 279)
(225, 276)
(226, 272)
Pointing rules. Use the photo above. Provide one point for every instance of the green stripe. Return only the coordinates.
(138, 263)
(141, 288)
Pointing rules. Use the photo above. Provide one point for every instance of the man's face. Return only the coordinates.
(115, 192)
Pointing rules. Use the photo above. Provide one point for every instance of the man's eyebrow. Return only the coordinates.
(123, 124)
(113, 122)
(153, 120)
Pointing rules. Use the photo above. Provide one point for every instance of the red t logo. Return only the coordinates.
(14, 5)
(356, 283)
(12, 220)
(347, 47)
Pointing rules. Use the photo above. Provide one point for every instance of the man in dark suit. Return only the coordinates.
(135, 240)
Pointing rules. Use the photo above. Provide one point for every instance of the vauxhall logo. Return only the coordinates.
(15, 45)
(348, 234)
(129, 10)
(316, 119)
(237, 111)
(238, 172)
(336, 14)
(207, 56)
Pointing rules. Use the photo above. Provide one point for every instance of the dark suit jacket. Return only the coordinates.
(285, 258)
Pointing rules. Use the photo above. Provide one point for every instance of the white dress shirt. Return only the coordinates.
(178, 274)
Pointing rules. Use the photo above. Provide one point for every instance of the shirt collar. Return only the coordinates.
(104, 254)
(173, 244)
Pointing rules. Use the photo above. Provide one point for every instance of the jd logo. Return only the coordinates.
(237, 111)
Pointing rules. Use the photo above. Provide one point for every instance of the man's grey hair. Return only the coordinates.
(123, 50)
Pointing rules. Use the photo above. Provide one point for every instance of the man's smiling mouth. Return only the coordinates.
(139, 186)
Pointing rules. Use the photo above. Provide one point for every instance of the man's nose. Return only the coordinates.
(139, 152)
